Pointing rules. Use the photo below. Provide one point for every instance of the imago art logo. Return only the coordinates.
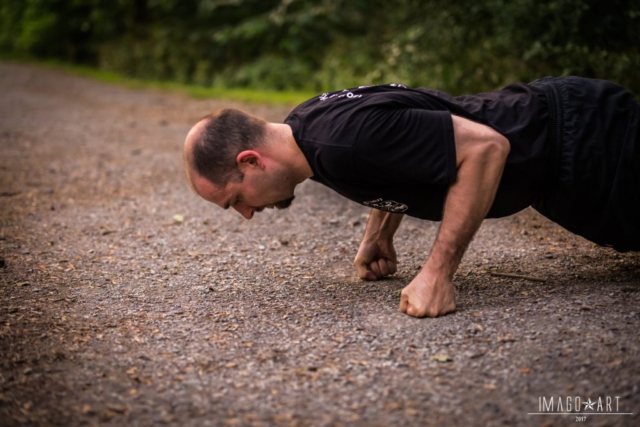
(580, 408)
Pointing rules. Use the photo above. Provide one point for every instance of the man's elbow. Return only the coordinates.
(497, 147)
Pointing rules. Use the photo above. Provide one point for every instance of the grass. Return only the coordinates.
(252, 96)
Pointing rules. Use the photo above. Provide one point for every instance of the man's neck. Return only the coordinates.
(288, 151)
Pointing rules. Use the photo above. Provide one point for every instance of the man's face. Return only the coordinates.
(256, 192)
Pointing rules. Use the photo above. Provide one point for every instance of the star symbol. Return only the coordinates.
(588, 404)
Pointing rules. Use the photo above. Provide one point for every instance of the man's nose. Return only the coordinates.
(244, 210)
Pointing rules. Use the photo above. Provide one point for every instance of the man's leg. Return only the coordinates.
(596, 191)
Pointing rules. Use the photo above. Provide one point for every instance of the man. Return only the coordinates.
(569, 147)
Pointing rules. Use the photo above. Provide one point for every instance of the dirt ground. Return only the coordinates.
(115, 312)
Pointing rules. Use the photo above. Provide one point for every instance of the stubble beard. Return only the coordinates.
(284, 204)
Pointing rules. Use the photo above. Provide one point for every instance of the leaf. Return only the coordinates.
(178, 218)
(476, 355)
(507, 338)
(120, 409)
(22, 284)
(442, 358)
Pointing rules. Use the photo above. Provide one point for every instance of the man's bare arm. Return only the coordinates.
(481, 154)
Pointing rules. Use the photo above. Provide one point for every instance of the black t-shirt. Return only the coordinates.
(392, 148)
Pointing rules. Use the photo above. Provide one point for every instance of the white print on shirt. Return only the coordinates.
(349, 94)
(342, 94)
(386, 205)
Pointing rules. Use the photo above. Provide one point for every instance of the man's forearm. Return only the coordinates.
(468, 201)
(382, 225)
(481, 153)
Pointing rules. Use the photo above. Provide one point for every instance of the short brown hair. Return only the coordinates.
(226, 133)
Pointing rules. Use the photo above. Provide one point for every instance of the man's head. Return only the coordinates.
(236, 160)
(216, 140)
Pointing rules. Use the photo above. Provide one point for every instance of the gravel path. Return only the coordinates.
(115, 313)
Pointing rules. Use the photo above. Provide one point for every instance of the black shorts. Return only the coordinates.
(594, 187)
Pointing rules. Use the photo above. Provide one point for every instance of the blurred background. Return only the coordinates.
(459, 46)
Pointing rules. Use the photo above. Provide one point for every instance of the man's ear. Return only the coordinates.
(249, 159)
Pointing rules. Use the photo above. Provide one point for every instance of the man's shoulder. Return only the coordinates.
(336, 119)
(394, 94)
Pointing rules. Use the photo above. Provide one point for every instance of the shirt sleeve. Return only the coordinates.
(409, 145)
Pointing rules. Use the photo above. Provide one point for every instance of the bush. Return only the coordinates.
(459, 47)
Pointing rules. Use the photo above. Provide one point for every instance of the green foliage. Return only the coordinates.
(460, 47)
